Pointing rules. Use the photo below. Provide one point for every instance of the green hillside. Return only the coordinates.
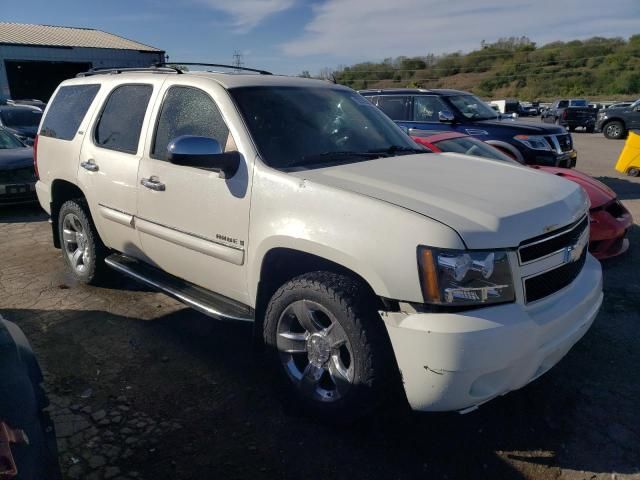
(515, 67)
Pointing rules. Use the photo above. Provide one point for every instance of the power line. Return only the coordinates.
(237, 59)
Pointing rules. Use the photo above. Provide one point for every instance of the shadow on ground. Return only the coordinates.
(626, 189)
(210, 378)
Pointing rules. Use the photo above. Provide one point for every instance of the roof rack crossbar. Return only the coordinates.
(233, 67)
(115, 70)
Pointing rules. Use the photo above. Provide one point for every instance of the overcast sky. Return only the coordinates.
(289, 36)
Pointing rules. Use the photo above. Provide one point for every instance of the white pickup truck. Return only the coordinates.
(366, 263)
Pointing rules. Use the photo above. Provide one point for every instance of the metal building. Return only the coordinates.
(34, 59)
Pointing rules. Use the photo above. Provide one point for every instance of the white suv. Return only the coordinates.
(365, 262)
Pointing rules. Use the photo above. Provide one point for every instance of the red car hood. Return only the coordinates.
(599, 194)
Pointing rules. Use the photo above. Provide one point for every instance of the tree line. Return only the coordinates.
(511, 67)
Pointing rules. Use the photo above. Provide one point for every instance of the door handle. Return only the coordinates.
(153, 183)
(90, 165)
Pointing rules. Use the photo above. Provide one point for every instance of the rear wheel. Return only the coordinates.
(614, 130)
(334, 355)
(633, 172)
(589, 129)
(82, 250)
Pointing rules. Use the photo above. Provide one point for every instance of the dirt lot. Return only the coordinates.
(142, 387)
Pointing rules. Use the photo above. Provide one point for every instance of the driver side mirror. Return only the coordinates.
(445, 116)
(204, 153)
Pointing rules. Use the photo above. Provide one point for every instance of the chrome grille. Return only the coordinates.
(552, 242)
(560, 143)
(545, 284)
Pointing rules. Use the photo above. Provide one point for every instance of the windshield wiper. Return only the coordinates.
(341, 155)
(398, 149)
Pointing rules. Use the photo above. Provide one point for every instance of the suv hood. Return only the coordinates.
(522, 128)
(490, 204)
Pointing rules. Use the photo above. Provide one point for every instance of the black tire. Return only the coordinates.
(375, 375)
(571, 129)
(633, 172)
(22, 406)
(589, 129)
(95, 270)
(614, 130)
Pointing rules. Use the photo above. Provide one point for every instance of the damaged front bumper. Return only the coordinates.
(457, 361)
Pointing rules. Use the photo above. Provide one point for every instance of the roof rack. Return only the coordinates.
(176, 66)
(115, 70)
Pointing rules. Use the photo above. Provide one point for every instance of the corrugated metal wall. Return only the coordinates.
(98, 57)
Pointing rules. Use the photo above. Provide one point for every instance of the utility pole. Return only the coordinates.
(237, 59)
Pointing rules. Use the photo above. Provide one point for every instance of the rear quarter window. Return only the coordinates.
(67, 110)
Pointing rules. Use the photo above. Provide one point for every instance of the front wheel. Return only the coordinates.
(614, 130)
(633, 172)
(82, 250)
(334, 355)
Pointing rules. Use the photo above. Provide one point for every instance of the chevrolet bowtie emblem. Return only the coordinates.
(574, 252)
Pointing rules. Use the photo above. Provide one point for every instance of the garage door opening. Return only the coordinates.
(33, 79)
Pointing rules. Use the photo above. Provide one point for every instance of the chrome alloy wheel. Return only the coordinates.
(315, 351)
(75, 243)
(614, 130)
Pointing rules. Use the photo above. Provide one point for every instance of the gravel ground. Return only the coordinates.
(143, 388)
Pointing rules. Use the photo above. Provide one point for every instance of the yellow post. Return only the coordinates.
(629, 159)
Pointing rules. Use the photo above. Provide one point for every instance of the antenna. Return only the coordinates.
(237, 60)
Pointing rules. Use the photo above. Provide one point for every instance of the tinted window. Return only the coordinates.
(67, 110)
(426, 108)
(298, 128)
(563, 104)
(122, 116)
(395, 106)
(188, 111)
(20, 117)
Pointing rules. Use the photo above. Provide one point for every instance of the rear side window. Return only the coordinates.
(395, 106)
(67, 110)
(188, 111)
(121, 119)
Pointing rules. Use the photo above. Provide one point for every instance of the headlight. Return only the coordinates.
(465, 277)
(537, 142)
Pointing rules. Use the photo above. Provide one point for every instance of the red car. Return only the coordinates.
(610, 220)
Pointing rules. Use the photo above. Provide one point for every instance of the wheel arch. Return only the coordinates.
(61, 191)
(281, 264)
(510, 149)
(614, 119)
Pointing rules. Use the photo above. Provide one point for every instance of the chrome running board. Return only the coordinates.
(204, 301)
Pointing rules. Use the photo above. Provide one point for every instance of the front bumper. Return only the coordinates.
(608, 232)
(549, 158)
(456, 361)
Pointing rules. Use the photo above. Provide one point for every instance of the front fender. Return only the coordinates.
(373, 238)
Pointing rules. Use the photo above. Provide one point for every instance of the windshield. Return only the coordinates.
(21, 117)
(472, 146)
(8, 141)
(472, 107)
(298, 128)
